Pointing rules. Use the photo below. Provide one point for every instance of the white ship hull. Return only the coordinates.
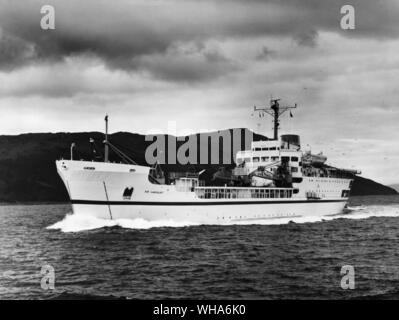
(97, 189)
(211, 214)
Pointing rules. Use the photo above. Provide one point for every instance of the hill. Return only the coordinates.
(363, 187)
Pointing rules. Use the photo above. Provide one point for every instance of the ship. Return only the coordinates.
(275, 179)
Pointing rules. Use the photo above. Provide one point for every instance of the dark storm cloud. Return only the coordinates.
(265, 53)
(182, 65)
(126, 34)
(186, 62)
(306, 38)
(14, 51)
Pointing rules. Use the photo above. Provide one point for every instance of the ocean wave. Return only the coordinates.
(76, 223)
(83, 296)
(363, 212)
(356, 208)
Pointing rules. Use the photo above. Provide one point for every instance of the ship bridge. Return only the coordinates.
(266, 156)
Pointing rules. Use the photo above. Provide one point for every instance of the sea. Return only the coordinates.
(46, 252)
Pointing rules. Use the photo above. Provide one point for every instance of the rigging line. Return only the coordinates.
(131, 151)
(125, 157)
(106, 195)
(121, 154)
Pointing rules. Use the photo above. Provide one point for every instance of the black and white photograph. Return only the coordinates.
(199, 150)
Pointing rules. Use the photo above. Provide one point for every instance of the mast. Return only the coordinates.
(106, 150)
(275, 110)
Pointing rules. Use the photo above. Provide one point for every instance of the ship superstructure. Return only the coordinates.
(274, 179)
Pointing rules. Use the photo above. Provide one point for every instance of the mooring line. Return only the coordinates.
(106, 195)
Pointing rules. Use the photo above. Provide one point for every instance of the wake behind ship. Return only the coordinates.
(274, 179)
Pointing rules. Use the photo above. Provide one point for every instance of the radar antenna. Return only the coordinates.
(275, 110)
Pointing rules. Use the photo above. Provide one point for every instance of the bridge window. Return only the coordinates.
(274, 158)
(294, 159)
(294, 169)
(255, 159)
(265, 159)
(227, 193)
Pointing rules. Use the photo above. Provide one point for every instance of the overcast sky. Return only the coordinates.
(204, 64)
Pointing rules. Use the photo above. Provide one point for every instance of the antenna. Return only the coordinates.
(275, 110)
(106, 150)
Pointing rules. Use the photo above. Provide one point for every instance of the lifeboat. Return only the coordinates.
(314, 159)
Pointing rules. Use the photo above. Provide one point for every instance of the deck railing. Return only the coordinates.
(242, 193)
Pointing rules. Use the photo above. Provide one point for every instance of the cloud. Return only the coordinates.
(307, 39)
(78, 75)
(121, 33)
(193, 64)
(265, 53)
(15, 51)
